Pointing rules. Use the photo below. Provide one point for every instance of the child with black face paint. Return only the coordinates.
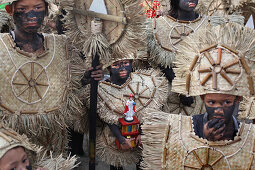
(41, 65)
(149, 90)
(218, 123)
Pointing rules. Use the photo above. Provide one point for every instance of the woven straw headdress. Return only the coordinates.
(216, 60)
(10, 139)
(11, 1)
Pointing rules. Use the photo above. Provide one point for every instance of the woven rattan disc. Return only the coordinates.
(204, 158)
(112, 30)
(30, 83)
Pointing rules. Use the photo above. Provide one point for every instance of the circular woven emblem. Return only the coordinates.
(30, 83)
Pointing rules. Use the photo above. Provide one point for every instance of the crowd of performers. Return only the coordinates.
(175, 83)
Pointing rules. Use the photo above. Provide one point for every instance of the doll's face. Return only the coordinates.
(188, 5)
(15, 159)
(28, 15)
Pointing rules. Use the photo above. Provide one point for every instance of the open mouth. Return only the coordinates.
(192, 5)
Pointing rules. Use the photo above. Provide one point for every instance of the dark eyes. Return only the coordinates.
(211, 102)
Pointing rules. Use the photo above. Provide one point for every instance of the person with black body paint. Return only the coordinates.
(28, 16)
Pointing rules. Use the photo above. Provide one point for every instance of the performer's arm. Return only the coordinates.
(116, 132)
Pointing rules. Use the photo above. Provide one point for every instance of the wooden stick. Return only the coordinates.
(38, 93)
(187, 34)
(206, 78)
(113, 18)
(131, 89)
(6, 107)
(208, 48)
(233, 71)
(230, 49)
(23, 53)
(197, 157)
(32, 70)
(231, 64)
(43, 54)
(23, 91)
(175, 37)
(176, 42)
(209, 57)
(214, 80)
(168, 49)
(188, 82)
(137, 87)
(178, 32)
(16, 83)
(164, 156)
(24, 74)
(144, 97)
(197, 138)
(225, 76)
(251, 161)
(51, 110)
(144, 90)
(42, 84)
(245, 66)
(30, 95)
(39, 74)
(191, 166)
(153, 81)
(204, 70)
(217, 160)
(219, 55)
(251, 85)
(193, 63)
(207, 156)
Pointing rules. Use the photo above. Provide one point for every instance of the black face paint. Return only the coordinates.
(29, 167)
(188, 5)
(30, 21)
(115, 74)
(228, 112)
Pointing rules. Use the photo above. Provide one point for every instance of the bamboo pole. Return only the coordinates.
(107, 17)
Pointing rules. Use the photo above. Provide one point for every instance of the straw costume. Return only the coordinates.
(37, 93)
(10, 139)
(149, 89)
(165, 35)
(212, 60)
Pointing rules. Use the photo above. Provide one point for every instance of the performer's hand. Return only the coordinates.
(214, 129)
(127, 144)
(138, 141)
(98, 73)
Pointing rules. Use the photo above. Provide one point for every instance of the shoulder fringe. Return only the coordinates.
(57, 163)
(159, 99)
(247, 108)
(155, 131)
(158, 55)
(234, 35)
